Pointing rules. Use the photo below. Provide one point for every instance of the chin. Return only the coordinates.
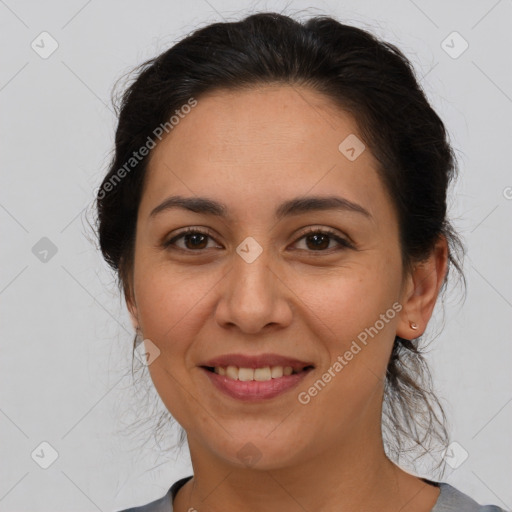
(257, 452)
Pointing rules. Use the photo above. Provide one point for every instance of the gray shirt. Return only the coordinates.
(450, 500)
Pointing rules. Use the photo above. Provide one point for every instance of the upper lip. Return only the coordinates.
(258, 361)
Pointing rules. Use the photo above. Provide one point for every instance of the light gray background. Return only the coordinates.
(66, 336)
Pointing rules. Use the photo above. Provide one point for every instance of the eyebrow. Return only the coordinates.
(297, 206)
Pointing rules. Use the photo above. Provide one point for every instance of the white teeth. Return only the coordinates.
(262, 374)
(259, 374)
(277, 371)
(231, 372)
(245, 374)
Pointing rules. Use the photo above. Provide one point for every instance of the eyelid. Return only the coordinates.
(185, 231)
(344, 241)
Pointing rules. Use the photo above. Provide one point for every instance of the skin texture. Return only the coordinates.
(251, 150)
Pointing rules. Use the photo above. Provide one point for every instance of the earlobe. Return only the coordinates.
(422, 291)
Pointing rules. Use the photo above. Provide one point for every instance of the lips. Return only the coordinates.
(255, 378)
(259, 361)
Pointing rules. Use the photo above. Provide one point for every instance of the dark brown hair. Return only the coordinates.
(367, 77)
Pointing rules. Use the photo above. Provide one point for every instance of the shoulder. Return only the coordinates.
(452, 500)
(163, 504)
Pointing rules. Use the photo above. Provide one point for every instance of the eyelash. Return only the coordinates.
(345, 244)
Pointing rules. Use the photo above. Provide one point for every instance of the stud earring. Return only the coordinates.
(413, 325)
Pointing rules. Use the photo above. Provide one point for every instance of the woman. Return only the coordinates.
(276, 212)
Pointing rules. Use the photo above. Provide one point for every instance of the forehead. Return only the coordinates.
(264, 144)
(261, 124)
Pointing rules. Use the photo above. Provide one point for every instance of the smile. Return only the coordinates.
(259, 374)
(255, 384)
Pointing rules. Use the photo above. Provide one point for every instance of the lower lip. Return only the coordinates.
(254, 390)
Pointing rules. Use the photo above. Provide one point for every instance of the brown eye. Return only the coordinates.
(193, 240)
(196, 240)
(318, 240)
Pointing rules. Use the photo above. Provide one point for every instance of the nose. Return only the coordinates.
(254, 297)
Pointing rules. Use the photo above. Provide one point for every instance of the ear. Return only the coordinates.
(420, 291)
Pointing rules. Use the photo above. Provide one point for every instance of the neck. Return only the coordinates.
(345, 478)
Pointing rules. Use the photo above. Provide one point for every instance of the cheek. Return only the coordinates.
(171, 303)
(354, 318)
(350, 299)
(173, 308)
(352, 315)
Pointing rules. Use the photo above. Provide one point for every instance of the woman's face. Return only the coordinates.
(257, 284)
